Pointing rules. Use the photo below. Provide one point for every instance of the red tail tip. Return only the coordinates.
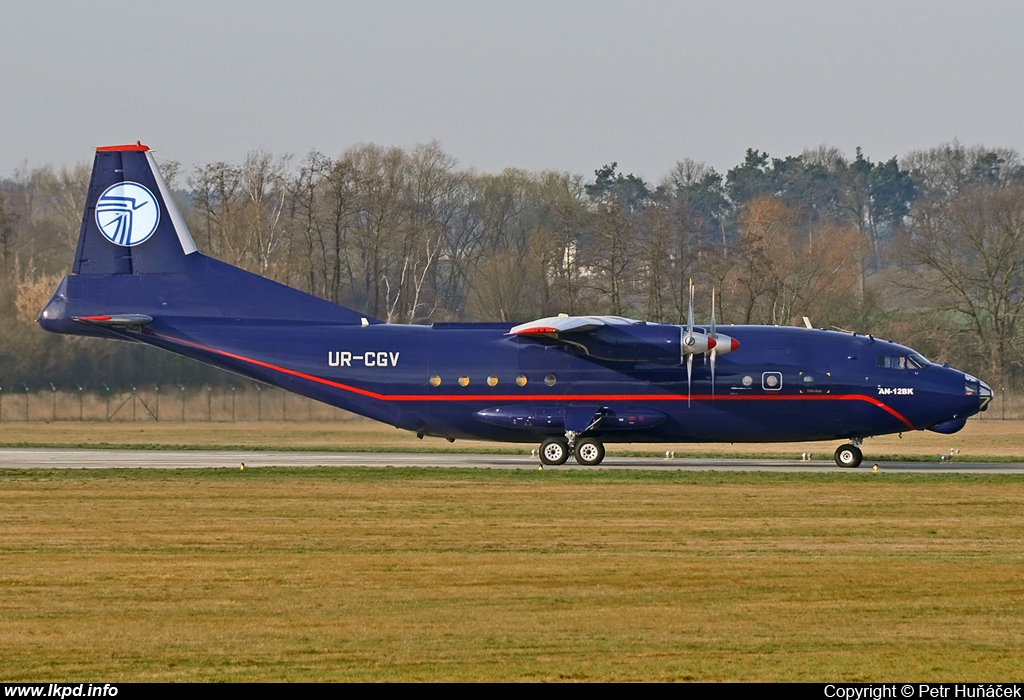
(137, 146)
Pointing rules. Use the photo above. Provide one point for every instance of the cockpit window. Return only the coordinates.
(917, 360)
(911, 361)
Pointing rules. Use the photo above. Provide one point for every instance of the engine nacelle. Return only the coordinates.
(639, 342)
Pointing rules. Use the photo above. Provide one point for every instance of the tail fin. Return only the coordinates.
(136, 260)
(130, 224)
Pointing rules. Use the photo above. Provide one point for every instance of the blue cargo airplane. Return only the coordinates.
(571, 383)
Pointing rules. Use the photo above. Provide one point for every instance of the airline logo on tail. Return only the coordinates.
(127, 214)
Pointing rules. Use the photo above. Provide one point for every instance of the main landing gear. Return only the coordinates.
(849, 456)
(556, 450)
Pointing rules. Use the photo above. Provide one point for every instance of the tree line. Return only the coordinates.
(926, 249)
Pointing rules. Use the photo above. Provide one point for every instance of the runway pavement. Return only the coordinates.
(44, 458)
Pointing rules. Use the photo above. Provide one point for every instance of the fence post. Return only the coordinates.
(107, 389)
(53, 415)
(1, 403)
(26, 402)
(182, 386)
(80, 390)
(209, 404)
(259, 402)
(156, 416)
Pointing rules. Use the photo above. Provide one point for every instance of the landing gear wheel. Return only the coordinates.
(848, 456)
(589, 452)
(554, 451)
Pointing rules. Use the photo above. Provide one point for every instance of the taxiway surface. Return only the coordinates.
(45, 458)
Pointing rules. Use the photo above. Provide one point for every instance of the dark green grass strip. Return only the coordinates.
(526, 475)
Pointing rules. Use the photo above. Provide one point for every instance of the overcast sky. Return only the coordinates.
(538, 85)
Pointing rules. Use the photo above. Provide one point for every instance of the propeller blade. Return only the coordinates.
(713, 333)
(714, 354)
(689, 315)
(689, 378)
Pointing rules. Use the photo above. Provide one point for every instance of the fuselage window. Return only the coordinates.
(463, 380)
(435, 381)
(521, 380)
(771, 381)
(549, 380)
(492, 381)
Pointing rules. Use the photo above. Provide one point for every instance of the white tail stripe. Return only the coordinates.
(184, 237)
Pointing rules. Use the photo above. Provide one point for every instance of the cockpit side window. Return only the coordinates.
(911, 361)
(892, 361)
(917, 360)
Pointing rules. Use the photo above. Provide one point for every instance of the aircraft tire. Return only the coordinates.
(589, 452)
(848, 456)
(554, 451)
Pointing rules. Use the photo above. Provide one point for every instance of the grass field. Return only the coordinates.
(406, 574)
(981, 439)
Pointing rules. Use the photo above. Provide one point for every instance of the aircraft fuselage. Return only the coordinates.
(477, 381)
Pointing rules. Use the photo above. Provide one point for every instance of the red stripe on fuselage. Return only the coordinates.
(541, 397)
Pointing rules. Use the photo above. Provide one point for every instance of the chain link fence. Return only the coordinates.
(241, 403)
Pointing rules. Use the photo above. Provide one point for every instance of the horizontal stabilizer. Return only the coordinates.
(116, 320)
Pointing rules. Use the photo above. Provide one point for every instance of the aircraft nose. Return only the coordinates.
(985, 395)
(976, 387)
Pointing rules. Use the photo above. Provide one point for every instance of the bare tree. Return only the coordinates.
(432, 202)
(966, 256)
(263, 182)
(612, 255)
(781, 272)
(65, 191)
(214, 188)
(8, 222)
(943, 171)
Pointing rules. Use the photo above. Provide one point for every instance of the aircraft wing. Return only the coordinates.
(554, 326)
(618, 339)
